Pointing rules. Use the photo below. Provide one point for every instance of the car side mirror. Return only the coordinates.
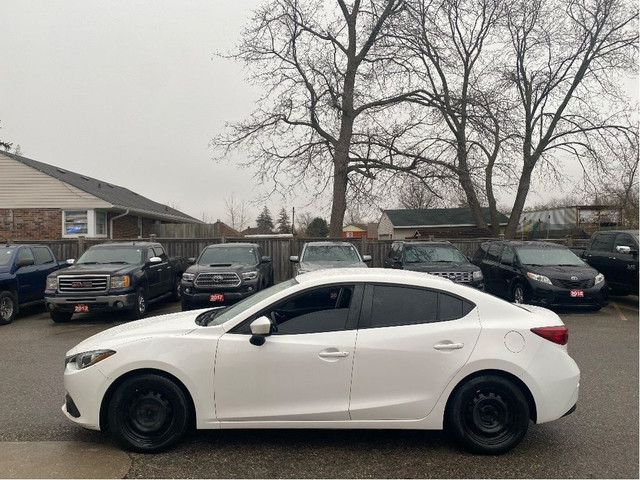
(71, 261)
(265, 259)
(366, 258)
(155, 260)
(260, 329)
(191, 260)
(294, 259)
(624, 249)
(24, 262)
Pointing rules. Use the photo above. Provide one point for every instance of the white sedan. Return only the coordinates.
(352, 348)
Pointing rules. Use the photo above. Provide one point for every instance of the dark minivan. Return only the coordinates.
(540, 273)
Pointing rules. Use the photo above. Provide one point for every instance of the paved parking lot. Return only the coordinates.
(600, 440)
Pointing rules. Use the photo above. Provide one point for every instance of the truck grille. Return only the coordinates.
(83, 283)
(572, 284)
(217, 280)
(458, 277)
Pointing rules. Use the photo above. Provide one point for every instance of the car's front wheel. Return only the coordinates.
(519, 295)
(140, 305)
(60, 317)
(488, 414)
(148, 413)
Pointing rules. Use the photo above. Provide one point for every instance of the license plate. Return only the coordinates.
(81, 308)
(216, 297)
(576, 293)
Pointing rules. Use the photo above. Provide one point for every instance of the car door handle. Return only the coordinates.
(333, 354)
(448, 346)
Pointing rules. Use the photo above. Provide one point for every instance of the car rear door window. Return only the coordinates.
(493, 254)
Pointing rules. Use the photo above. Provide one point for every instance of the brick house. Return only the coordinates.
(439, 222)
(41, 202)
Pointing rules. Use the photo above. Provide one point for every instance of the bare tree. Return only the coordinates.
(236, 212)
(317, 63)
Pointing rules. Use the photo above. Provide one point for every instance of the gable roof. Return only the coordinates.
(119, 197)
(438, 217)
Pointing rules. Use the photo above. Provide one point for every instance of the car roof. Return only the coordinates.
(328, 243)
(376, 275)
(236, 244)
(525, 243)
(126, 244)
(424, 242)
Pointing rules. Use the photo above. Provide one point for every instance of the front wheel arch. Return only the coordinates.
(106, 399)
(533, 412)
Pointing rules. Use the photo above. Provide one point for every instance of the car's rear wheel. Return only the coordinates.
(148, 413)
(488, 414)
(8, 308)
(60, 317)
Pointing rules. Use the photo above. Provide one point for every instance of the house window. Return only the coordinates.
(90, 223)
(76, 222)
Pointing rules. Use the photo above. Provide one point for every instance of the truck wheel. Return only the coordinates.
(8, 308)
(60, 317)
(176, 294)
(140, 305)
(186, 305)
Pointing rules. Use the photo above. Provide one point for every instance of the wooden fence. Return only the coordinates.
(279, 249)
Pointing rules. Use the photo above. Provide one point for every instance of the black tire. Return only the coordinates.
(185, 305)
(148, 413)
(176, 294)
(488, 415)
(139, 309)
(8, 308)
(60, 317)
(519, 294)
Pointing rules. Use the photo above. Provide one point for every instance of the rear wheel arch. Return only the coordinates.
(533, 413)
(106, 399)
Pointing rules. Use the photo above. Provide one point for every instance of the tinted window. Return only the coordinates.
(508, 256)
(624, 240)
(228, 255)
(494, 252)
(602, 242)
(452, 308)
(395, 252)
(5, 255)
(43, 255)
(402, 306)
(25, 254)
(480, 253)
(320, 310)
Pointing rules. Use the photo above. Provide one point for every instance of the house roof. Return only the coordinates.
(438, 217)
(119, 197)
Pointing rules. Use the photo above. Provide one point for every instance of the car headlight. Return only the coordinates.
(539, 278)
(477, 276)
(86, 359)
(188, 277)
(599, 278)
(52, 283)
(120, 282)
(249, 275)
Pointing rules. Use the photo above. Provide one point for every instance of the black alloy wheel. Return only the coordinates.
(8, 308)
(140, 305)
(148, 413)
(488, 415)
(518, 295)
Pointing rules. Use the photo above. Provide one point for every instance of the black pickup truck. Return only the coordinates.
(23, 274)
(115, 276)
(224, 274)
(615, 255)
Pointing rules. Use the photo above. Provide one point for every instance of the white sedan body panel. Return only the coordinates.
(391, 377)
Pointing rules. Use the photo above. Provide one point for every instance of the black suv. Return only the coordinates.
(225, 273)
(437, 258)
(540, 273)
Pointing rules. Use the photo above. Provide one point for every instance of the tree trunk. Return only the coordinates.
(339, 202)
(521, 197)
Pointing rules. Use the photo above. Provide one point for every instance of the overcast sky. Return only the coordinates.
(131, 92)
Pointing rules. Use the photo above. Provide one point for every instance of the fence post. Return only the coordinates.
(80, 245)
(152, 237)
(568, 241)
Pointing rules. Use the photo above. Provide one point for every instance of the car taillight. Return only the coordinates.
(559, 335)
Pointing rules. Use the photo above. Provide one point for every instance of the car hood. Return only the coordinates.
(173, 324)
(222, 267)
(441, 267)
(561, 272)
(313, 266)
(107, 268)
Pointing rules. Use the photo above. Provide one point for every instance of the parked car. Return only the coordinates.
(225, 273)
(437, 258)
(23, 275)
(124, 276)
(540, 273)
(345, 348)
(615, 255)
(322, 255)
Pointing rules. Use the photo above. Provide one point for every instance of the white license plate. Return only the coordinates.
(80, 308)
(216, 297)
(576, 293)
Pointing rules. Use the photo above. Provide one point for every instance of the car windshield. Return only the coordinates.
(218, 316)
(131, 255)
(548, 256)
(330, 253)
(433, 254)
(5, 255)
(228, 255)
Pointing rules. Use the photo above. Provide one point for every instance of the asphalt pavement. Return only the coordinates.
(599, 440)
